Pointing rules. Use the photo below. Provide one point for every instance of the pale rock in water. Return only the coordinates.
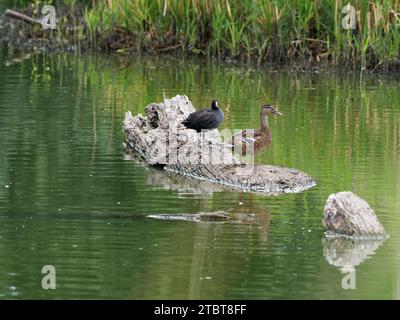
(346, 214)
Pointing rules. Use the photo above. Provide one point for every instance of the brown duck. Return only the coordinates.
(252, 140)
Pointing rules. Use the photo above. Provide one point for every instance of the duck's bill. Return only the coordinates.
(278, 113)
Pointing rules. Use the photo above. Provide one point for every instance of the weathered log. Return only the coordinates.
(20, 16)
(161, 139)
(346, 214)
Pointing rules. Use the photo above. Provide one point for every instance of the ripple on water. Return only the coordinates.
(84, 207)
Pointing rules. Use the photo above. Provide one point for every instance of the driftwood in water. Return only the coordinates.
(161, 139)
(218, 216)
(240, 214)
(347, 214)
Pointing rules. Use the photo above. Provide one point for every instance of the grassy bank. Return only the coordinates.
(262, 31)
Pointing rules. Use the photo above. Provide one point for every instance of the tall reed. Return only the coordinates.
(278, 31)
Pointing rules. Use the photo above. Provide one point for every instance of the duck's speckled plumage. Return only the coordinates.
(252, 140)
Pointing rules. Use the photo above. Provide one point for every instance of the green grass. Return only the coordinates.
(265, 31)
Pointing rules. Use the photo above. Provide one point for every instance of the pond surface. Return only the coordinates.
(70, 198)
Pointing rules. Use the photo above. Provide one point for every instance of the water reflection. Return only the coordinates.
(67, 198)
(347, 254)
(245, 213)
(166, 180)
(18, 59)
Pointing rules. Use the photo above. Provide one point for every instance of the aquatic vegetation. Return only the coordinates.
(267, 31)
(263, 31)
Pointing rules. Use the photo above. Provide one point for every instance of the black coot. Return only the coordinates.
(205, 119)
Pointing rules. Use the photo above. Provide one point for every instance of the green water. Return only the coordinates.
(69, 198)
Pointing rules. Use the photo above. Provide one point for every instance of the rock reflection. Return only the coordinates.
(347, 254)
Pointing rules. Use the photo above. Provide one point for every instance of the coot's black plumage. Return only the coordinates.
(205, 119)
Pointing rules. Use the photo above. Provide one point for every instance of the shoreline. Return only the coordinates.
(73, 34)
